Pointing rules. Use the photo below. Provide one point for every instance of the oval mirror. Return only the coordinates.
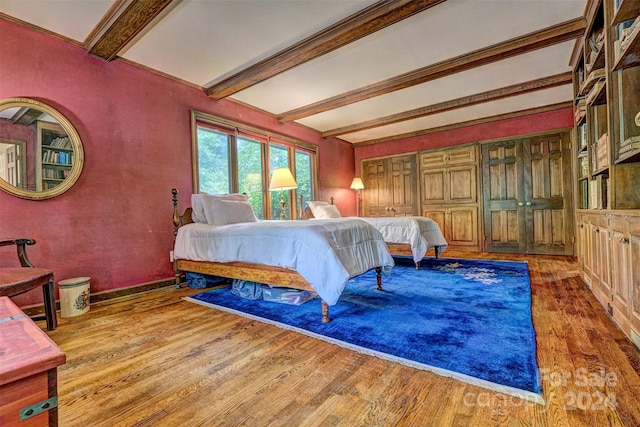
(41, 153)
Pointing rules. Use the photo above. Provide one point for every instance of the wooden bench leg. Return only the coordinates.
(49, 305)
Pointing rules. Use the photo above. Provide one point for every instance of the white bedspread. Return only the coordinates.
(420, 232)
(327, 253)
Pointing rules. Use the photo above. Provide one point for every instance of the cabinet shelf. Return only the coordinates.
(598, 61)
(56, 166)
(601, 171)
(592, 78)
(597, 95)
(628, 9)
(629, 157)
(630, 56)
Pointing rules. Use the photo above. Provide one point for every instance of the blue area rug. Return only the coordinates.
(461, 318)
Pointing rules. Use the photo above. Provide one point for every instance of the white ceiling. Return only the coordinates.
(205, 41)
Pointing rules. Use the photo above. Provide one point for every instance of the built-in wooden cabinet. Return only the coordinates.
(438, 184)
(391, 186)
(527, 195)
(609, 255)
(606, 64)
(449, 193)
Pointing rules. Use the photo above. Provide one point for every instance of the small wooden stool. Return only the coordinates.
(15, 281)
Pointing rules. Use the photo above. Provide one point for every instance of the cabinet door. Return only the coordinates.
(375, 195)
(634, 266)
(433, 159)
(604, 262)
(463, 227)
(462, 184)
(620, 272)
(439, 215)
(502, 190)
(404, 186)
(391, 186)
(594, 231)
(547, 184)
(525, 185)
(462, 155)
(433, 186)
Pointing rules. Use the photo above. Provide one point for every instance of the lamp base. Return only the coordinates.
(282, 217)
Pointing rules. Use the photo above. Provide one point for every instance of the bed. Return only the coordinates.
(321, 257)
(404, 235)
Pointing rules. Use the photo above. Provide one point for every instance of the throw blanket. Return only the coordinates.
(327, 253)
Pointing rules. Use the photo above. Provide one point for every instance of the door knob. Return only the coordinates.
(528, 203)
(520, 203)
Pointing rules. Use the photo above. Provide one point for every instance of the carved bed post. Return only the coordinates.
(379, 278)
(176, 215)
(301, 214)
(176, 225)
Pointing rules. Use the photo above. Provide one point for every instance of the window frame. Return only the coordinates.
(234, 130)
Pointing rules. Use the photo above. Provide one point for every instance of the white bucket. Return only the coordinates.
(74, 296)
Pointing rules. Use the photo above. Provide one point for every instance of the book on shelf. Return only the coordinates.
(595, 91)
(629, 144)
(582, 136)
(593, 194)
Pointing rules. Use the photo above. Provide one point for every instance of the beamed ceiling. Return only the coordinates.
(359, 70)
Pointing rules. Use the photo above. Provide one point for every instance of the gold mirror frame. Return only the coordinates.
(78, 153)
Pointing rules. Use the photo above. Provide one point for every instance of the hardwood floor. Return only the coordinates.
(155, 360)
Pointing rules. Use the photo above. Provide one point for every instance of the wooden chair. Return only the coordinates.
(15, 281)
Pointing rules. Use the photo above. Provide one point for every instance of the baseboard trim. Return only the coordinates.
(38, 309)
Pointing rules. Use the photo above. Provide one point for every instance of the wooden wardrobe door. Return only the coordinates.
(375, 198)
(547, 184)
(404, 185)
(504, 222)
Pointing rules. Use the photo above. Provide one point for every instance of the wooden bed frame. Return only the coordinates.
(277, 276)
(398, 249)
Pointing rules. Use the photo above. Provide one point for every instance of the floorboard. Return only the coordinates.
(153, 359)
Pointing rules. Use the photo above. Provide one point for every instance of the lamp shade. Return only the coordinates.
(357, 184)
(282, 179)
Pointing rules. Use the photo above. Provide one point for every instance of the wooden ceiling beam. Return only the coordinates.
(367, 21)
(122, 22)
(489, 119)
(529, 42)
(465, 101)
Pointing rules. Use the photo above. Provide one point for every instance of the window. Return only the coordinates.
(213, 161)
(250, 173)
(232, 158)
(304, 166)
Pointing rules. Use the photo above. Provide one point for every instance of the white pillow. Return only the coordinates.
(201, 204)
(232, 212)
(329, 211)
(197, 206)
(314, 204)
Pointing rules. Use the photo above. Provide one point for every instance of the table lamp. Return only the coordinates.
(282, 179)
(357, 185)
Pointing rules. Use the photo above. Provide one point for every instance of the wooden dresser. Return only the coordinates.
(28, 370)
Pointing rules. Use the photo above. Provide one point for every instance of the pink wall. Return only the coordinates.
(114, 224)
(336, 180)
(558, 119)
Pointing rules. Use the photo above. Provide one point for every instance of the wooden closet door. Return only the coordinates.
(503, 188)
(547, 185)
(404, 185)
(375, 197)
(527, 194)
